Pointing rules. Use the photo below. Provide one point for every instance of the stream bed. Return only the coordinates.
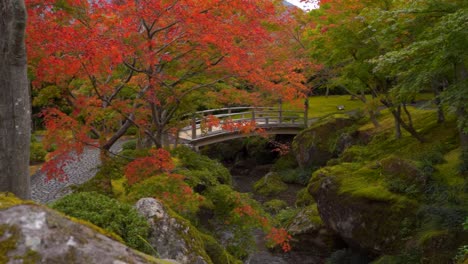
(243, 178)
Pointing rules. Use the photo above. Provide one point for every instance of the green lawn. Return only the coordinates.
(321, 105)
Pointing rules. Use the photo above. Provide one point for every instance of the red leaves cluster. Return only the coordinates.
(142, 168)
(279, 236)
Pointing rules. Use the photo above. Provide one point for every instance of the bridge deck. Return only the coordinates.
(217, 125)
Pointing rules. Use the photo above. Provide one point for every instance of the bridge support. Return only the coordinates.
(306, 112)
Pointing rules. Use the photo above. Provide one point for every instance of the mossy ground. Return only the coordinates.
(270, 185)
(366, 171)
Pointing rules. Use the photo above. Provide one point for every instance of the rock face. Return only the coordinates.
(169, 236)
(35, 234)
(310, 234)
(363, 212)
(316, 145)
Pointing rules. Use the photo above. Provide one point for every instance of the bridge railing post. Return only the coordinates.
(194, 127)
(306, 112)
(253, 114)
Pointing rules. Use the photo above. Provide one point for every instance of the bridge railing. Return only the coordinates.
(261, 116)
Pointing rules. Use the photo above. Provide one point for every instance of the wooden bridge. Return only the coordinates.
(218, 125)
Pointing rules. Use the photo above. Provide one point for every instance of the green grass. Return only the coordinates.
(448, 171)
(320, 105)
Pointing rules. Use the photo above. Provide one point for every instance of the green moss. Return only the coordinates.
(200, 169)
(31, 257)
(359, 180)
(270, 184)
(275, 205)
(8, 200)
(201, 244)
(427, 235)
(303, 198)
(9, 235)
(216, 252)
(448, 171)
(313, 214)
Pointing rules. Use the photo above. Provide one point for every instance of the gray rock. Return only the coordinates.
(310, 234)
(36, 234)
(170, 237)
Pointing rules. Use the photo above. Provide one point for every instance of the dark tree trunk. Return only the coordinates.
(462, 116)
(400, 123)
(15, 109)
(437, 88)
(397, 116)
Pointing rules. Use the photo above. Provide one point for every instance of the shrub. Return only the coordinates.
(171, 190)
(215, 171)
(37, 152)
(158, 161)
(131, 144)
(131, 131)
(108, 214)
(285, 216)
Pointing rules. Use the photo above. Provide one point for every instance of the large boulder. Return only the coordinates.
(173, 237)
(319, 143)
(168, 236)
(35, 234)
(354, 202)
(310, 234)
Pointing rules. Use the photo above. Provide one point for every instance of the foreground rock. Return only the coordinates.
(34, 234)
(167, 234)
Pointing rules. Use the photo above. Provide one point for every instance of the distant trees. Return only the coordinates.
(14, 100)
(393, 50)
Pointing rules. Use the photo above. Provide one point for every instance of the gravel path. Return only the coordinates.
(78, 170)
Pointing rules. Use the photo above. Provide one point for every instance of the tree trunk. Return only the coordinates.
(397, 116)
(462, 116)
(436, 88)
(399, 122)
(373, 118)
(15, 112)
(462, 113)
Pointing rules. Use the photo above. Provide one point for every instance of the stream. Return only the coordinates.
(243, 178)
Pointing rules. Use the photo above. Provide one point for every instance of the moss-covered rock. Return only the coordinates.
(35, 234)
(275, 205)
(402, 169)
(303, 198)
(317, 144)
(174, 237)
(353, 201)
(310, 234)
(440, 246)
(270, 184)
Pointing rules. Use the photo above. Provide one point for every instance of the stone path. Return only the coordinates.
(78, 170)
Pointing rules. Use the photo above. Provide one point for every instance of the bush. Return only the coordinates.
(131, 131)
(108, 214)
(129, 145)
(37, 152)
(213, 171)
(285, 216)
(171, 190)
